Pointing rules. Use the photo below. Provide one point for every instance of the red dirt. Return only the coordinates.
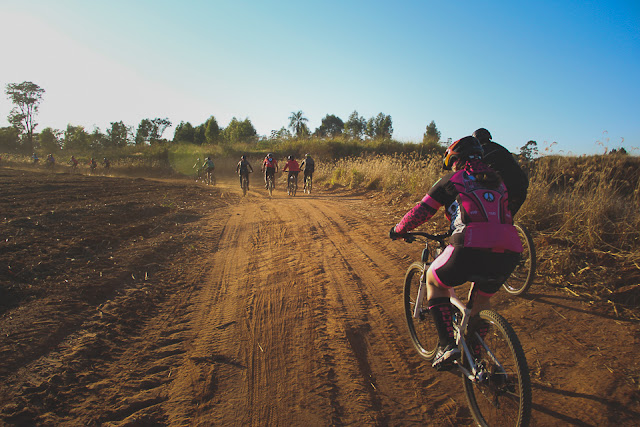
(146, 302)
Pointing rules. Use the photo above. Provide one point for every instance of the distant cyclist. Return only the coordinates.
(35, 158)
(50, 160)
(208, 166)
(243, 168)
(92, 165)
(106, 163)
(73, 162)
(293, 168)
(269, 167)
(308, 166)
(503, 162)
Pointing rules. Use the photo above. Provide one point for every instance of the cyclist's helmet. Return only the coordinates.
(482, 135)
(243, 157)
(306, 155)
(270, 155)
(290, 158)
(465, 148)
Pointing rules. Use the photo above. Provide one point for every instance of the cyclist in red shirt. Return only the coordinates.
(269, 167)
(293, 168)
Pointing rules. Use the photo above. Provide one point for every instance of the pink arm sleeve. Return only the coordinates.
(418, 215)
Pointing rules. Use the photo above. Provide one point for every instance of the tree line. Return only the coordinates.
(27, 96)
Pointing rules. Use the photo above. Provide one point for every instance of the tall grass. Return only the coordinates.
(584, 213)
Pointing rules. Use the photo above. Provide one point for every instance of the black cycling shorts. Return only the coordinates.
(457, 265)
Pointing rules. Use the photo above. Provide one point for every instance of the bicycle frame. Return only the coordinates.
(474, 374)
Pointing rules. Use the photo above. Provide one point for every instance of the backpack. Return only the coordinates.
(481, 216)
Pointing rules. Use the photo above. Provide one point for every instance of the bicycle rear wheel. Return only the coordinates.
(503, 398)
(422, 330)
(245, 185)
(308, 184)
(524, 274)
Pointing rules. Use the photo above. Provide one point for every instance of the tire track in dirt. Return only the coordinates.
(300, 321)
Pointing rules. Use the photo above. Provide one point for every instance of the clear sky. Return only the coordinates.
(551, 71)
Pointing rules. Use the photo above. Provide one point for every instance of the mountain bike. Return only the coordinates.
(244, 183)
(209, 179)
(270, 184)
(493, 366)
(292, 185)
(308, 183)
(524, 274)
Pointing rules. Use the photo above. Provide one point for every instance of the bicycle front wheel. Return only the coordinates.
(502, 396)
(524, 274)
(422, 330)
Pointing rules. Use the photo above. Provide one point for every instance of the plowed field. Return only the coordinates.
(153, 302)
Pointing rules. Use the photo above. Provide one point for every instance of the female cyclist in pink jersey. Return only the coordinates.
(484, 246)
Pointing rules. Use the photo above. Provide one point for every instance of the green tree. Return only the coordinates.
(298, 124)
(355, 126)
(184, 133)
(118, 135)
(26, 97)
(97, 139)
(432, 135)
(75, 138)
(331, 127)
(49, 140)
(240, 131)
(212, 131)
(529, 151)
(143, 133)
(9, 139)
(199, 134)
(379, 127)
(159, 127)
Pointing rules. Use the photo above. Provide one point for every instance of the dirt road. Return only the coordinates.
(145, 302)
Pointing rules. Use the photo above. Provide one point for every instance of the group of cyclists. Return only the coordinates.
(270, 167)
(73, 162)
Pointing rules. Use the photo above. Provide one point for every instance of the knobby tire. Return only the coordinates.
(524, 274)
(504, 399)
(422, 330)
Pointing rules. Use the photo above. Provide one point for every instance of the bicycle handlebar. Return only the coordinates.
(411, 236)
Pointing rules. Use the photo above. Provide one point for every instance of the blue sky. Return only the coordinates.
(550, 71)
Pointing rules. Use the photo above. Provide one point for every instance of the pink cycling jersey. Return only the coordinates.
(479, 215)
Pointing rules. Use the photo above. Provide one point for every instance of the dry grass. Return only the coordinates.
(584, 213)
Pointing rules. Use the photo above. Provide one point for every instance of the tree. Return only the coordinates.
(212, 131)
(9, 139)
(97, 139)
(529, 151)
(159, 126)
(118, 135)
(143, 134)
(150, 131)
(355, 126)
(184, 133)
(27, 97)
(50, 140)
(75, 138)
(432, 134)
(331, 127)
(298, 124)
(240, 131)
(379, 127)
(198, 134)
